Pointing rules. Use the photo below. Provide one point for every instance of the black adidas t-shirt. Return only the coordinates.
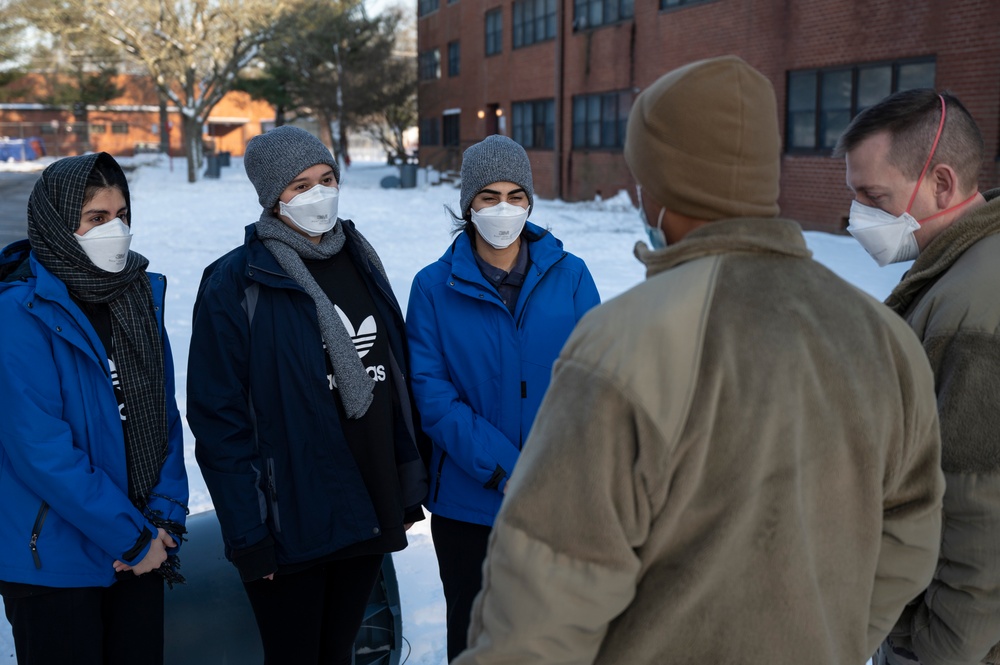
(371, 437)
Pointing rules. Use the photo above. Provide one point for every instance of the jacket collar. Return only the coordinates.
(261, 266)
(945, 249)
(542, 253)
(727, 236)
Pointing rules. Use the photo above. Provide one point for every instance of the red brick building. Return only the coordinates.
(559, 76)
(126, 124)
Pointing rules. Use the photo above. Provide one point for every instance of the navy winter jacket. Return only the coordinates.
(479, 373)
(268, 435)
(65, 514)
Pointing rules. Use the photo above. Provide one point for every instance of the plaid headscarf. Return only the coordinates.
(54, 209)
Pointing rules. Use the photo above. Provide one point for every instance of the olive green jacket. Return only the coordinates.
(951, 298)
(737, 461)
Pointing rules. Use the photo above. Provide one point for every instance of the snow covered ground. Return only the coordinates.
(182, 227)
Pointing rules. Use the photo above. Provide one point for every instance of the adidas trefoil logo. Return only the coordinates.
(364, 336)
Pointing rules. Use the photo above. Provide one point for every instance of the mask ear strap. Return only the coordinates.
(927, 164)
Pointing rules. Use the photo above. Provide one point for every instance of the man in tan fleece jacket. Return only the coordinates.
(737, 460)
(913, 162)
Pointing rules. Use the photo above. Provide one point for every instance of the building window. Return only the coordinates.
(119, 128)
(534, 123)
(449, 129)
(98, 128)
(534, 21)
(425, 7)
(430, 65)
(494, 31)
(670, 4)
(76, 127)
(453, 59)
(430, 132)
(595, 13)
(599, 120)
(822, 102)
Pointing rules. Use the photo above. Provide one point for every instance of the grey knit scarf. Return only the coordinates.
(289, 248)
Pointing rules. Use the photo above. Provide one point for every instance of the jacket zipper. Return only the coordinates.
(273, 491)
(36, 531)
(524, 309)
(437, 478)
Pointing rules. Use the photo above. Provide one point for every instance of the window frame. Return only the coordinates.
(429, 132)
(493, 20)
(425, 7)
(666, 5)
(591, 130)
(809, 86)
(454, 58)
(541, 119)
(584, 10)
(448, 119)
(425, 61)
(527, 20)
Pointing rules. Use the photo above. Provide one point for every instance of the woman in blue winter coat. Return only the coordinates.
(92, 480)
(485, 323)
(298, 395)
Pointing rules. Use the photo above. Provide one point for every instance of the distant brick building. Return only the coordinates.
(127, 124)
(559, 76)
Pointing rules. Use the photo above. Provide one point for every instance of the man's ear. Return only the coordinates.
(945, 185)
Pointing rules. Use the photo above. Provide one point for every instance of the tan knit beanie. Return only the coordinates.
(703, 141)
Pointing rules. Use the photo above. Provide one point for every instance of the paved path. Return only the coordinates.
(14, 191)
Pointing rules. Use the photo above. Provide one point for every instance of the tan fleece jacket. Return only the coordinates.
(737, 462)
(951, 298)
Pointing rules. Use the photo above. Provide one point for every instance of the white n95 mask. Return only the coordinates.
(500, 225)
(314, 211)
(107, 245)
(887, 238)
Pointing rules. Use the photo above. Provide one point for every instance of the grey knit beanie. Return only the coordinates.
(494, 159)
(272, 160)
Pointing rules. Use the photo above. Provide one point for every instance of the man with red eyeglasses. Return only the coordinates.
(913, 163)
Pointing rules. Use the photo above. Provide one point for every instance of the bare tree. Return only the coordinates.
(396, 101)
(193, 49)
(329, 60)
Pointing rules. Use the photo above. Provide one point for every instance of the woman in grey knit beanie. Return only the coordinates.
(299, 398)
(485, 323)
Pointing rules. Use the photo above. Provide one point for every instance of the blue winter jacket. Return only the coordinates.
(65, 514)
(270, 445)
(479, 373)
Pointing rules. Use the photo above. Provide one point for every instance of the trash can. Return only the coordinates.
(212, 169)
(407, 175)
(224, 158)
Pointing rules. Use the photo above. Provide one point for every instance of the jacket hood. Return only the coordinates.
(14, 264)
(945, 249)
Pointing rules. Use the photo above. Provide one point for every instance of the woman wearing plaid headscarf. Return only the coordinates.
(92, 480)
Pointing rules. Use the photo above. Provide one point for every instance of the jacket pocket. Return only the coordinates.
(272, 490)
(36, 531)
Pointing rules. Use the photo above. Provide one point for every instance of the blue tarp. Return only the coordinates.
(21, 150)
